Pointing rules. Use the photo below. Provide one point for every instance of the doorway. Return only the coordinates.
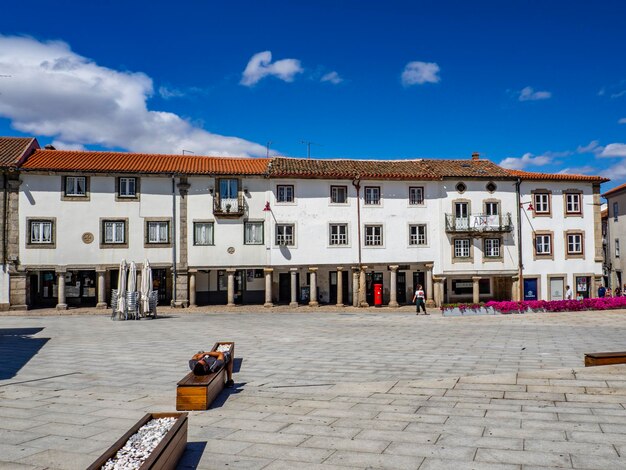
(401, 288)
(333, 287)
(370, 280)
(284, 288)
(530, 289)
(419, 277)
(557, 288)
(583, 286)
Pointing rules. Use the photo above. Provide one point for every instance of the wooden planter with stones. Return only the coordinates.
(165, 455)
(197, 392)
(605, 358)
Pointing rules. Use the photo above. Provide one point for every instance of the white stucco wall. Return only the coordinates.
(40, 197)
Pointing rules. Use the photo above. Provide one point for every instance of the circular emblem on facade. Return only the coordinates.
(87, 237)
(231, 250)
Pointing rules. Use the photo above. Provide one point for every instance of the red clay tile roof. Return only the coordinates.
(615, 190)
(118, 162)
(527, 175)
(12, 149)
(283, 167)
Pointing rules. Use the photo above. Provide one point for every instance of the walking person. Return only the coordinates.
(568, 293)
(418, 298)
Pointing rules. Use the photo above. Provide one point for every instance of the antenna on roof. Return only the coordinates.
(267, 146)
(308, 147)
(188, 151)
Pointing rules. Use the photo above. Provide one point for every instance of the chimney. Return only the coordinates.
(475, 156)
(49, 147)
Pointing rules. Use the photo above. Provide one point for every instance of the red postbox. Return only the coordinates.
(378, 295)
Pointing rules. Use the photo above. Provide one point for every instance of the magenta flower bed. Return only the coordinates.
(607, 303)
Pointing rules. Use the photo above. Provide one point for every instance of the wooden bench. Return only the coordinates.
(605, 358)
(197, 392)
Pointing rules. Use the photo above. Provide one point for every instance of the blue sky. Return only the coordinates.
(539, 86)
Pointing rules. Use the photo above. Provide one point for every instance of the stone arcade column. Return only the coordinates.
(476, 289)
(102, 297)
(231, 287)
(438, 290)
(393, 290)
(355, 287)
(268, 287)
(61, 305)
(515, 288)
(192, 288)
(294, 287)
(362, 290)
(429, 285)
(339, 286)
(313, 300)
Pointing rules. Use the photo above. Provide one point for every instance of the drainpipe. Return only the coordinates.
(173, 302)
(520, 265)
(356, 182)
(4, 222)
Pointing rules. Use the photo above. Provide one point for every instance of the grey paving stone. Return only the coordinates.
(378, 461)
(289, 465)
(441, 464)
(489, 442)
(524, 457)
(58, 459)
(596, 462)
(570, 447)
(299, 454)
(281, 438)
(317, 430)
(354, 444)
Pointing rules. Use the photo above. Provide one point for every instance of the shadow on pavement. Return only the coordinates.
(224, 394)
(192, 455)
(17, 347)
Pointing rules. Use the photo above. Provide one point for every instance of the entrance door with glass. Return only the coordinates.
(229, 191)
(557, 288)
(461, 215)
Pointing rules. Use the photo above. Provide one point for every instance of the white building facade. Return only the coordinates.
(300, 232)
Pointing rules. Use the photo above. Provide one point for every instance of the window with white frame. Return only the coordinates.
(203, 233)
(462, 248)
(617, 247)
(158, 232)
(373, 235)
(542, 203)
(543, 244)
(41, 232)
(492, 208)
(114, 232)
(338, 234)
(492, 247)
(572, 203)
(285, 234)
(372, 195)
(284, 193)
(615, 211)
(75, 186)
(127, 187)
(339, 194)
(417, 234)
(574, 243)
(416, 195)
(253, 233)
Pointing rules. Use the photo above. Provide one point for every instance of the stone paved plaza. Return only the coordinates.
(322, 389)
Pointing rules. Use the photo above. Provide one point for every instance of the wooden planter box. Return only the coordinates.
(197, 392)
(605, 358)
(166, 455)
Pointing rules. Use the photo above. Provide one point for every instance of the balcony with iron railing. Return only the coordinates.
(479, 223)
(229, 207)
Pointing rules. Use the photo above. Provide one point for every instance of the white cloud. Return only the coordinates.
(169, 93)
(529, 94)
(592, 147)
(622, 121)
(580, 170)
(528, 159)
(55, 92)
(614, 150)
(332, 77)
(261, 66)
(418, 73)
